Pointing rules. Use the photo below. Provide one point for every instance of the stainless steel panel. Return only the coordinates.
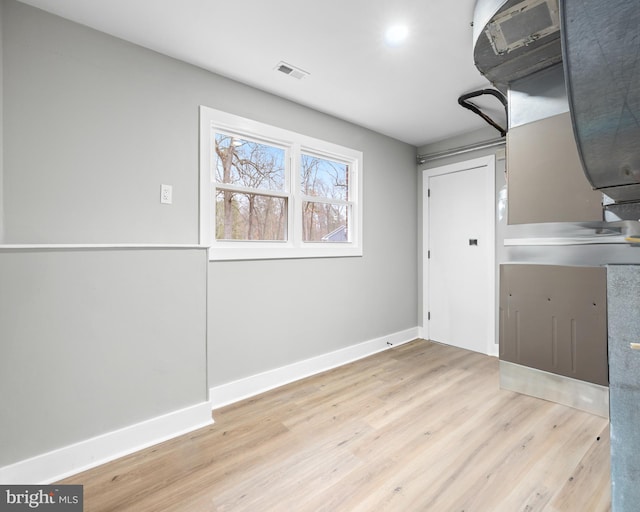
(573, 254)
(578, 394)
(537, 96)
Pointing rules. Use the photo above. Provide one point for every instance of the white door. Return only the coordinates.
(460, 249)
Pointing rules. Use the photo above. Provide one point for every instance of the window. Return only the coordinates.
(249, 181)
(267, 192)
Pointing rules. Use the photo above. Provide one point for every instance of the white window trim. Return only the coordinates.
(294, 247)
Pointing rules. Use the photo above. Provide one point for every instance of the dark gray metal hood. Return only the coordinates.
(599, 44)
(601, 54)
(515, 38)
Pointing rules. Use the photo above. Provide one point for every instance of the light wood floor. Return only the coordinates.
(420, 427)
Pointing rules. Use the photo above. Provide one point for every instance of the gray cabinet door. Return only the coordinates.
(554, 318)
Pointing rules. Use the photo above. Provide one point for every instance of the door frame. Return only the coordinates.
(490, 191)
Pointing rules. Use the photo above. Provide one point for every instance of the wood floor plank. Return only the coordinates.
(585, 489)
(553, 462)
(420, 427)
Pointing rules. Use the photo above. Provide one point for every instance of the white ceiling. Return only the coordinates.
(408, 92)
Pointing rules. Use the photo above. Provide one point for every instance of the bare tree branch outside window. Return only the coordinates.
(325, 218)
(257, 167)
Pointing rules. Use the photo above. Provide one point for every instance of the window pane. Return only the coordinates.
(250, 216)
(320, 177)
(249, 164)
(324, 222)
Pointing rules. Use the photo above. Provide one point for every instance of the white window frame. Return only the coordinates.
(212, 120)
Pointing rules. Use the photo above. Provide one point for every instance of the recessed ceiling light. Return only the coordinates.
(396, 35)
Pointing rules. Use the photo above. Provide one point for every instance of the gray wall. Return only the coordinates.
(96, 340)
(266, 314)
(93, 126)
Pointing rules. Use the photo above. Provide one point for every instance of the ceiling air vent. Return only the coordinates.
(290, 70)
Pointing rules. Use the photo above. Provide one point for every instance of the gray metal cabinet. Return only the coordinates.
(623, 291)
(554, 318)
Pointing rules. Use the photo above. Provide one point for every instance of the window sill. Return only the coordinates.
(99, 246)
(280, 253)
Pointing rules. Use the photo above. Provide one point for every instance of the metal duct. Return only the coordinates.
(601, 47)
(515, 38)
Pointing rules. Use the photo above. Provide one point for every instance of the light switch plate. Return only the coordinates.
(166, 194)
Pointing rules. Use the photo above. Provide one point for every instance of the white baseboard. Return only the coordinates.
(69, 460)
(234, 391)
(492, 350)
